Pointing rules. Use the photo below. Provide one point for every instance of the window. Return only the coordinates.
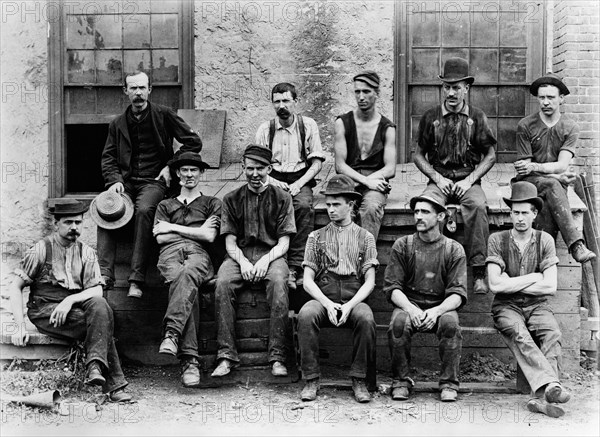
(91, 51)
(503, 42)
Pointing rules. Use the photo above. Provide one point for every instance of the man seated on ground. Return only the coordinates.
(365, 150)
(546, 142)
(185, 228)
(297, 154)
(522, 273)
(339, 274)
(65, 298)
(426, 281)
(257, 221)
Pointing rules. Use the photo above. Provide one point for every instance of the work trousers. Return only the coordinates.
(371, 209)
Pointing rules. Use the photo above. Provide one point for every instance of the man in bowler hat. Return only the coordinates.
(522, 273)
(546, 143)
(455, 149)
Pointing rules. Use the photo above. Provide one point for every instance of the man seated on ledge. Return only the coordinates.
(65, 298)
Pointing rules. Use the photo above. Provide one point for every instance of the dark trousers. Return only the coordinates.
(449, 335)
(523, 327)
(91, 321)
(556, 213)
(371, 210)
(313, 317)
(185, 269)
(230, 282)
(473, 208)
(146, 194)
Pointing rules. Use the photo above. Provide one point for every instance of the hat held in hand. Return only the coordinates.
(111, 210)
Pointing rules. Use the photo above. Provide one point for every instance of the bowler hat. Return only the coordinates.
(369, 77)
(433, 197)
(259, 153)
(549, 79)
(187, 158)
(456, 70)
(67, 207)
(524, 191)
(111, 210)
(341, 185)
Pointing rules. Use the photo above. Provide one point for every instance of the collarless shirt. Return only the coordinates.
(541, 143)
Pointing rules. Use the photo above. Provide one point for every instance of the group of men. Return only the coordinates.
(268, 229)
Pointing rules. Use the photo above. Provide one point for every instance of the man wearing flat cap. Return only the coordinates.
(185, 228)
(65, 298)
(365, 150)
(522, 273)
(546, 143)
(297, 158)
(426, 282)
(455, 149)
(257, 221)
(339, 274)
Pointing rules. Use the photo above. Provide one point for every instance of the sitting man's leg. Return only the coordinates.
(364, 328)
(277, 296)
(400, 334)
(370, 211)
(304, 214)
(450, 347)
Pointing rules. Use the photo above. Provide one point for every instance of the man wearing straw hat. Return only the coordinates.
(546, 143)
(426, 281)
(185, 228)
(522, 273)
(455, 149)
(65, 298)
(134, 162)
(339, 274)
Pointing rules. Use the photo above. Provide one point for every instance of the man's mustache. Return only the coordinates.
(282, 112)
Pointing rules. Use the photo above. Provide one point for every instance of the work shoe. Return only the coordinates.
(448, 394)
(361, 394)
(109, 283)
(480, 285)
(581, 253)
(190, 372)
(169, 345)
(93, 375)
(278, 369)
(223, 368)
(291, 282)
(119, 395)
(555, 393)
(541, 406)
(400, 393)
(135, 290)
(309, 392)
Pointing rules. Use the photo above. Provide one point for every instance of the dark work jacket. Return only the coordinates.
(116, 157)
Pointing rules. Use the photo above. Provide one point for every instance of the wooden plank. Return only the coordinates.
(210, 126)
(32, 352)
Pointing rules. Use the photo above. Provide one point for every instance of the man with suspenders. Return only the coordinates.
(297, 154)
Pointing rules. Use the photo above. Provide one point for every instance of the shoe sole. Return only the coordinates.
(550, 410)
(167, 352)
(193, 385)
(95, 381)
(135, 295)
(554, 396)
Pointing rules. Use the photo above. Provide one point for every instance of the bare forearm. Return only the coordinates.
(16, 303)
(86, 294)
(313, 170)
(483, 167)
(167, 238)
(365, 290)
(202, 234)
(235, 252)
(401, 301)
(507, 285)
(426, 168)
(451, 303)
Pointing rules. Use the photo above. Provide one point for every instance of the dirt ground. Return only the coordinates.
(163, 407)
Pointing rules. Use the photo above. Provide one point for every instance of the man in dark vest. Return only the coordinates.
(365, 150)
(297, 157)
(65, 298)
(134, 162)
(455, 149)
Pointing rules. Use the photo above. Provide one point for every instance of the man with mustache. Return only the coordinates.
(522, 272)
(297, 158)
(65, 298)
(185, 228)
(365, 150)
(257, 221)
(546, 143)
(134, 163)
(426, 281)
(455, 149)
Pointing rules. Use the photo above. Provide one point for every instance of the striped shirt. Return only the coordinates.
(71, 268)
(338, 250)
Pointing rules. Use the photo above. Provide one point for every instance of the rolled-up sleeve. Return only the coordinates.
(395, 272)
(549, 257)
(457, 273)
(32, 263)
(314, 149)
(524, 150)
(228, 222)
(370, 254)
(495, 251)
(310, 253)
(91, 268)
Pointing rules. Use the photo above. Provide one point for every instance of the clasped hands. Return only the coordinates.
(423, 320)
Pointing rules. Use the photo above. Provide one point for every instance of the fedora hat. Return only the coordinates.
(341, 185)
(455, 70)
(111, 210)
(67, 207)
(524, 191)
(187, 158)
(549, 79)
(433, 197)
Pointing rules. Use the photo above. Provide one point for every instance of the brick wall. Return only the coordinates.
(576, 57)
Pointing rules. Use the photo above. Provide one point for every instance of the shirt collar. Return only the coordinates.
(464, 110)
(291, 127)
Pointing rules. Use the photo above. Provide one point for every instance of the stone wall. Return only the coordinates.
(244, 48)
